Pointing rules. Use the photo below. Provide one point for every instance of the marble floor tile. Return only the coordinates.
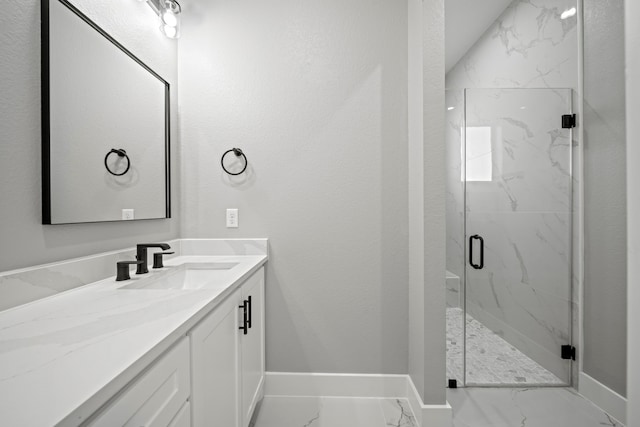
(397, 413)
(490, 359)
(472, 407)
(533, 407)
(275, 411)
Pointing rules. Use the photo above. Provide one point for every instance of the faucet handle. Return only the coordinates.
(157, 259)
(122, 269)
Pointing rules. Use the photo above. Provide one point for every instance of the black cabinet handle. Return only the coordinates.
(250, 317)
(244, 327)
(471, 239)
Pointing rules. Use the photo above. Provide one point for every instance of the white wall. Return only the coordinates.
(315, 93)
(632, 41)
(24, 241)
(605, 263)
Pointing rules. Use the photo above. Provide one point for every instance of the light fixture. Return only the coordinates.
(568, 13)
(169, 13)
(171, 32)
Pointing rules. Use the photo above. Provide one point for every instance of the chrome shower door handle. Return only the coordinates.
(471, 239)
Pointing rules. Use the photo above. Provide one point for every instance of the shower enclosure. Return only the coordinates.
(509, 236)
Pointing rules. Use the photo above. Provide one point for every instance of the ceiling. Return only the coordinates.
(465, 22)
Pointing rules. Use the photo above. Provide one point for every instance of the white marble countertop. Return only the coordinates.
(63, 357)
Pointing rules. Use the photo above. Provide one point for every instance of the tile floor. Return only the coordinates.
(332, 412)
(490, 359)
(532, 407)
(472, 407)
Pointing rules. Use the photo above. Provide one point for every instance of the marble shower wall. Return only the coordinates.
(529, 46)
(454, 133)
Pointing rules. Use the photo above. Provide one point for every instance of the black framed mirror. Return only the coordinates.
(105, 125)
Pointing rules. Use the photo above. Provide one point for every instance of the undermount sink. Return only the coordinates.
(187, 277)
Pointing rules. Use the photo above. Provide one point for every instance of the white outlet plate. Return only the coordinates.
(128, 214)
(232, 218)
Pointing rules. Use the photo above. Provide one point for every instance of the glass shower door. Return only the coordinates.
(518, 213)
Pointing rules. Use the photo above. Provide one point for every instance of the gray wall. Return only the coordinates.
(417, 349)
(426, 199)
(632, 29)
(315, 93)
(24, 241)
(605, 267)
(434, 201)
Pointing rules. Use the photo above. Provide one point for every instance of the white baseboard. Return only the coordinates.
(428, 415)
(358, 385)
(335, 385)
(606, 399)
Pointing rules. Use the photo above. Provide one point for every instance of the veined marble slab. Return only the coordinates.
(62, 357)
(455, 181)
(333, 412)
(529, 407)
(529, 45)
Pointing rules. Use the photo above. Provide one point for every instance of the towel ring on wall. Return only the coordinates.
(121, 153)
(238, 152)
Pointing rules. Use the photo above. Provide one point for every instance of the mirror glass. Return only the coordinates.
(105, 125)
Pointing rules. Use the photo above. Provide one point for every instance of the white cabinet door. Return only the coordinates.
(215, 367)
(155, 397)
(252, 346)
(183, 418)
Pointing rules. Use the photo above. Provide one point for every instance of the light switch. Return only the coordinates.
(127, 214)
(232, 218)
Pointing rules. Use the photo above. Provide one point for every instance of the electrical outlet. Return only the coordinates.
(232, 218)
(127, 214)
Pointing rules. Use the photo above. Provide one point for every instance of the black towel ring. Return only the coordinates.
(121, 153)
(238, 152)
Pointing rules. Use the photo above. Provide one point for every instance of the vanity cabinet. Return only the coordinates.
(157, 398)
(213, 377)
(183, 419)
(227, 363)
(216, 371)
(252, 347)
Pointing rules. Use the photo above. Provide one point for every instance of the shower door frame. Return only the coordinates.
(466, 258)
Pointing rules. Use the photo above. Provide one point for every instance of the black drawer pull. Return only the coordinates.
(244, 328)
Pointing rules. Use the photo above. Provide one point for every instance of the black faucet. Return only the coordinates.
(122, 269)
(141, 254)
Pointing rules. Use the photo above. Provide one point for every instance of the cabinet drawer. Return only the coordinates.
(155, 398)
